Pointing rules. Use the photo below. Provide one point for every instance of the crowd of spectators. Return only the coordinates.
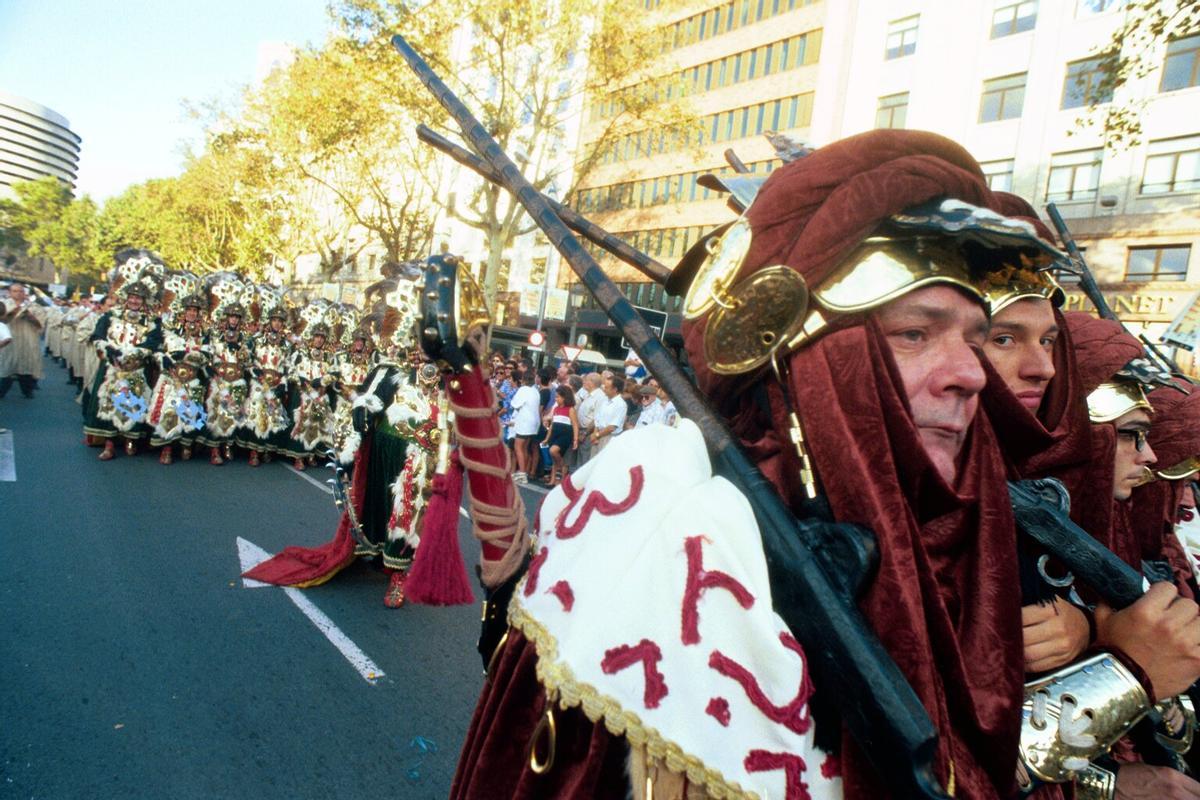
(555, 418)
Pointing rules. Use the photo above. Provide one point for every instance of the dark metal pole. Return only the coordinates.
(654, 270)
(853, 670)
(1087, 281)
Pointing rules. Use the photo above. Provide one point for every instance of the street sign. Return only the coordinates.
(571, 353)
(657, 320)
(536, 339)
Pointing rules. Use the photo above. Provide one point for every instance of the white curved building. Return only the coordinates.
(34, 141)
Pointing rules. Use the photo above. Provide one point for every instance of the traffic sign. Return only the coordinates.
(536, 339)
(657, 320)
(571, 353)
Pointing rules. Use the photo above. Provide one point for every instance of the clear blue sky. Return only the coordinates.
(120, 70)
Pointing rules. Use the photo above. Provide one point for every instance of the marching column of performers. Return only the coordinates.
(176, 363)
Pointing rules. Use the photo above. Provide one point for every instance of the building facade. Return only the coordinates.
(34, 142)
(1006, 78)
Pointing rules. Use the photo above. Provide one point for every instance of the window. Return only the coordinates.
(1084, 85)
(1172, 165)
(1074, 176)
(892, 111)
(901, 38)
(999, 175)
(1014, 18)
(1002, 98)
(1182, 67)
(1169, 263)
(1087, 8)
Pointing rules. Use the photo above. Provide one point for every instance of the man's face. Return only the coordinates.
(233, 321)
(358, 345)
(934, 335)
(1021, 348)
(134, 302)
(17, 293)
(562, 374)
(276, 324)
(318, 341)
(191, 314)
(609, 390)
(1130, 463)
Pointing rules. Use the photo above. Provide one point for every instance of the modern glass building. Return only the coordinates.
(34, 141)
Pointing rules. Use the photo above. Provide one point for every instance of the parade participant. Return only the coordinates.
(350, 370)
(1159, 504)
(266, 423)
(880, 373)
(125, 341)
(53, 335)
(70, 345)
(177, 404)
(1039, 371)
(311, 374)
(399, 446)
(563, 434)
(22, 360)
(229, 356)
(89, 359)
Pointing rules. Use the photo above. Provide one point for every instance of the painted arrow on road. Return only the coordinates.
(251, 555)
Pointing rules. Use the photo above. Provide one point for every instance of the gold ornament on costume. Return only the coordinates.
(1023, 281)
(726, 253)
(1184, 469)
(754, 319)
(1115, 399)
(470, 306)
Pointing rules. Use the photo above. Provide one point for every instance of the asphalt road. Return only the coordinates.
(134, 664)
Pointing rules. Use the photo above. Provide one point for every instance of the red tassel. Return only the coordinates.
(438, 576)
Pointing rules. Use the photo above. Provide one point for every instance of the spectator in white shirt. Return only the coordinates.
(586, 412)
(610, 417)
(651, 409)
(527, 418)
(668, 415)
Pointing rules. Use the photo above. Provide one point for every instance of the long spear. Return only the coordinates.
(589, 230)
(853, 670)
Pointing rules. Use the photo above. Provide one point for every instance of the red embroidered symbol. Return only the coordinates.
(718, 709)
(831, 767)
(535, 569)
(698, 581)
(794, 716)
(647, 652)
(793, 767)
(562, 590)
(596, 502)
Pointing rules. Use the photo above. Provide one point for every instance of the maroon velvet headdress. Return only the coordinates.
(943, 600)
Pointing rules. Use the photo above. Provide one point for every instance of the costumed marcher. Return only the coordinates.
(350, 370)
(229, 357)
(401, 473)
(21, 360)
(266, 423)
(125, 341)
(872, 316)
(1039, 398)
(177, 405)
(311, 375)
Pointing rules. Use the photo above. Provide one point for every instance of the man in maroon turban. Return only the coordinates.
(837, 327)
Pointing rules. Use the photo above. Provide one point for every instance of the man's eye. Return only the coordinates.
(1003, 340)
(913, 335)
(1048, 342)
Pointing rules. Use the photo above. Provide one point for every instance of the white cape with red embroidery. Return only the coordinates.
(649, 604)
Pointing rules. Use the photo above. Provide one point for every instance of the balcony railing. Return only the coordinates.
(644, 294)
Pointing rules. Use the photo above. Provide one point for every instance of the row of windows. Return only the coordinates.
(780, 56)
(783, 114)
(725, 18)
(1172, 165)
(1181, 67)
(773, 115)
(665, 244)
(1003, 98)
(649, 192)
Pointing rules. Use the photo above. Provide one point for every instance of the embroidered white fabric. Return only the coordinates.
(627, 574)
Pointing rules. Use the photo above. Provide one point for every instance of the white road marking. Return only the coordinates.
(251, 555)
(322, 486)
(8, 458)
(367, 668)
